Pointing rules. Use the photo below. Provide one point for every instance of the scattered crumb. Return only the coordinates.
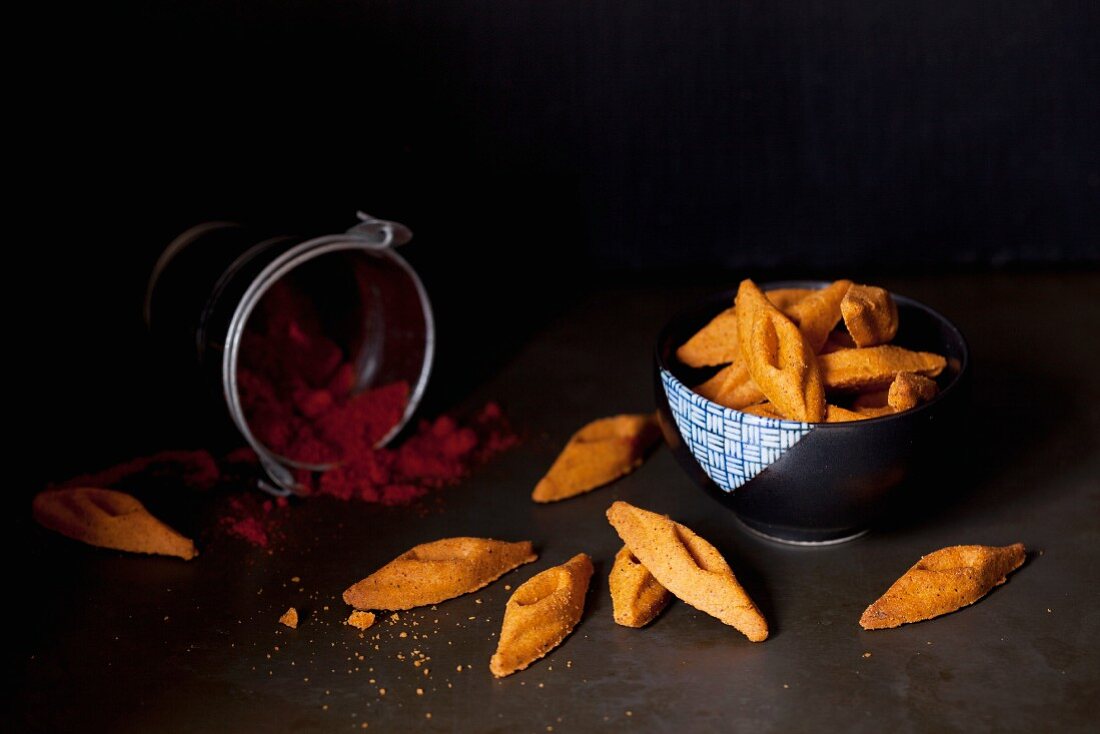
(403, 634)
(866, 654)
(289, 618)
(629, 713)
(394, 617)
(361, 620)
(294, 579)
(420, 691)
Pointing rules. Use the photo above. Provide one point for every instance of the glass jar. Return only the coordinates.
(208, 284)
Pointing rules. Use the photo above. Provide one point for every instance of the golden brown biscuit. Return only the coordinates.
(908, 390)
(784, 298)
(941, 582)
(361, 620)
(874, 368)
(290, 618)
(108, 519)
(818, 313)
(717, 342)
(779, 359)
(714, 344)
(833, 413)
(688, 566)
(870, 315)
(437, 571)
(601, 452)
(836, 414)
(732, 387)
(637, 597)
(764, 410)
(541, 614)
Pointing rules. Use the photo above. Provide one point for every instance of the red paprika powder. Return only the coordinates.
(439, 454)
(297, 391)
(297, 386)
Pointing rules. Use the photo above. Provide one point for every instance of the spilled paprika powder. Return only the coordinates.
(297, 391)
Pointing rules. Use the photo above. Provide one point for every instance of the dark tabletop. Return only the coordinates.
(135, 644)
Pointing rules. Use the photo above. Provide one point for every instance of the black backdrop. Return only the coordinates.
(641, 133)
(555, 138)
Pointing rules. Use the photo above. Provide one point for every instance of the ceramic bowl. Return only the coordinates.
(809, 483)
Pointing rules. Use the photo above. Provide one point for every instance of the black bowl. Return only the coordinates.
(810, 482)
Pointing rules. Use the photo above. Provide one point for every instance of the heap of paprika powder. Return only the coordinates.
(297, 389)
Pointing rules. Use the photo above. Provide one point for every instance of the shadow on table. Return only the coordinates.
(1010, 420)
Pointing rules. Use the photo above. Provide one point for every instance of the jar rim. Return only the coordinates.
(275, 464)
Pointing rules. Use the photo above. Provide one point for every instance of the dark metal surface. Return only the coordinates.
(131, 644)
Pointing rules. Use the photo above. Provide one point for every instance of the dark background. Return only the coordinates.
(536, 148)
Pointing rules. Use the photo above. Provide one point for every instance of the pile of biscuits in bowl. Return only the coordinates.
(809, 407)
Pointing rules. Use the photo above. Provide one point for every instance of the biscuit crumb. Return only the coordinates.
(290, 618)
(361, 620)
(866, 654)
